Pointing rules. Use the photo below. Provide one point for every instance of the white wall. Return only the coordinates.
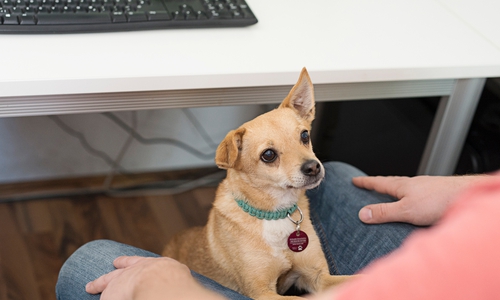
(34, 148)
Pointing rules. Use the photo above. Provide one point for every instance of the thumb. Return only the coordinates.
(380, 213)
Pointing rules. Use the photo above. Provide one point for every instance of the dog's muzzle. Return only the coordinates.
(311, 168)
(313, 173)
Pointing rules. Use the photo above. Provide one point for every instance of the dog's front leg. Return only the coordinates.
(315, 281)
(260, 283)
(326, 280)
(314, 275)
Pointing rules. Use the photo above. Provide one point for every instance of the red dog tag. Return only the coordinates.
(298, 241)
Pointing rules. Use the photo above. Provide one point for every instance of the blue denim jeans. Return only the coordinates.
(349, 244)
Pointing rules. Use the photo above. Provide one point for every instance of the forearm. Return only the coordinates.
(456, 259)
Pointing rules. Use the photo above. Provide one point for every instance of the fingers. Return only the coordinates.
(98, 285)
(122, 262)
(384, 185)
(381, 213)
(127, 261)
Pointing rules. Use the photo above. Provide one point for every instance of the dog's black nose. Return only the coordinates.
(311, 168)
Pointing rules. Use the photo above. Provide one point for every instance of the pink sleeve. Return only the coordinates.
(459, 258)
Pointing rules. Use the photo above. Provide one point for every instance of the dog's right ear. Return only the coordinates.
(229, 149)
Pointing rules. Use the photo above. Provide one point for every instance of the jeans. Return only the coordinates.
(349, 244)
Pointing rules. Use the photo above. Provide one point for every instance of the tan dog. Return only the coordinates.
(270, 164)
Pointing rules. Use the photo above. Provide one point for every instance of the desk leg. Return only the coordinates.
(450, 128)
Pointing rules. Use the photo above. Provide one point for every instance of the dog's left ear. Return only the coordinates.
(229, 149)
(301, 97)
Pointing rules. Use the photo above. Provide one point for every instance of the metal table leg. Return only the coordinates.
(450, 127)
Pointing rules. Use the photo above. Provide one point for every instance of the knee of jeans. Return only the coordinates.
(97, 244)
(83, 252)
(73, 265)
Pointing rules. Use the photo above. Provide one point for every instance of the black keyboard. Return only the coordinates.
(74, 16)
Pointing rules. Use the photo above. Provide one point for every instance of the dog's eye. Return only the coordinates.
(268, 156)
(304, 137)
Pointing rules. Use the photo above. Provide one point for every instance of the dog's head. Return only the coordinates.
(274, 150)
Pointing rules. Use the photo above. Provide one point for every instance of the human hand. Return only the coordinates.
(148, 278)
(422, 200)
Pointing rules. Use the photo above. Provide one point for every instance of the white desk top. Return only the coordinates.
(481, 15)
(338, 41)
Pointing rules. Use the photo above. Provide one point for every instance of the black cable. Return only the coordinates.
(170, 187)
(152, 141)
(111, 174)
(86, 145)
(155, 188)
(199, 128)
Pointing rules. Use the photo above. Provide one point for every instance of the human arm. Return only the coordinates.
(455, 259)
(421, 200)
(149, 279)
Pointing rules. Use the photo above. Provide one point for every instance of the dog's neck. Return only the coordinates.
(263, 214)
(265, 199)
(285, 198)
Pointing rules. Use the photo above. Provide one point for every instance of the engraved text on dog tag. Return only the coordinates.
(298, 241)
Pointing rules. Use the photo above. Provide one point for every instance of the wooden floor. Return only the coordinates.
(37, 236)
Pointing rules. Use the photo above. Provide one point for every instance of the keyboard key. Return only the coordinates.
(7, 4)
(108, 6)
(246, 11)
(189, 15)
(177, 15)
(34, 3)
(213, 14)
(42, 10)
(25, 19)
(223, 14)
(201, 15)
(118, 17)
(30, 10)
(80, 10)
(136, 16)
(154, 6)
(10, 20)
(237, 15)
(185, 8)
(88, 18)
(15, 10)
(158, 15)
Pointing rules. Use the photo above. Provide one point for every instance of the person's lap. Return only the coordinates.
(349, 244)
(96, 258)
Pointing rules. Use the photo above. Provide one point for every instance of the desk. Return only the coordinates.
(356, 49)
(480, 15)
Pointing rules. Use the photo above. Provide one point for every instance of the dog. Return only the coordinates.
(259, 239)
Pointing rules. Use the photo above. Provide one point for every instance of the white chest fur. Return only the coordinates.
(276, 233)
(286, 198)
